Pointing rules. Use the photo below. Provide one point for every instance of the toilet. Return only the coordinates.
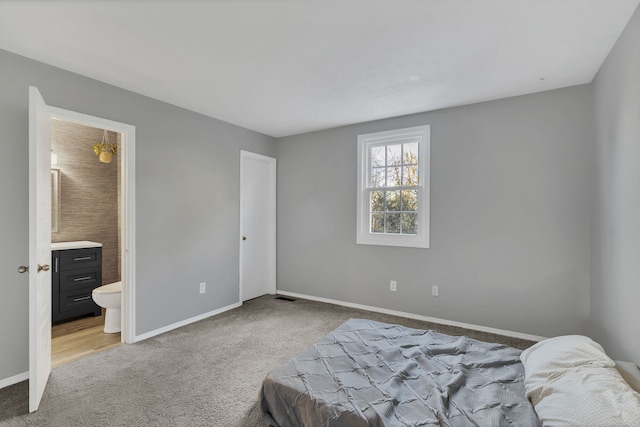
(108, 296)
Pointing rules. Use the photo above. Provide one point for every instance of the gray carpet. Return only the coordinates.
(204, 374)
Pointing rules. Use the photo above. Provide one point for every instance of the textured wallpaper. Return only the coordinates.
(89, 192)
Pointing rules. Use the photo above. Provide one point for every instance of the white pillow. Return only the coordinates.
(572, 382)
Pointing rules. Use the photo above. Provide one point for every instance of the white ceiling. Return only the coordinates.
(283, 67)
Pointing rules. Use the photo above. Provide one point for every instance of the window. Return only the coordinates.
(393, 187)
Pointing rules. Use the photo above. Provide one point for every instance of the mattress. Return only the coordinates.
(368, 373)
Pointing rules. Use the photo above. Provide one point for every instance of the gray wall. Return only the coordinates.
(615, 292)
(187, 199)
(510, 217)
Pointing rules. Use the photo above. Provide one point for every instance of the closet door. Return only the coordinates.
(257, 225)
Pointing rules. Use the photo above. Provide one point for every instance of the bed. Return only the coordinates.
(368, 373)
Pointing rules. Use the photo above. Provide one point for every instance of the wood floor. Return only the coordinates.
(80, 338)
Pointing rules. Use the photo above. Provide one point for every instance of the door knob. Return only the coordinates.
(23, 269)
(43, 267)
(244, 237)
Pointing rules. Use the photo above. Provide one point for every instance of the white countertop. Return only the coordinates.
(75, 245)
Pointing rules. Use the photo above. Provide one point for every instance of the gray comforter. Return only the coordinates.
(368, 373)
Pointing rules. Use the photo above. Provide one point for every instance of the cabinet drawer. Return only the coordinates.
(80, 258)
(80, 300)
(84, 278)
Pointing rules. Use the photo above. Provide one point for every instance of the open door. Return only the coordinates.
(39, 247)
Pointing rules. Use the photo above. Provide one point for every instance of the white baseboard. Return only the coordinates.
(416, 317)
(14, 379)
(177, 325)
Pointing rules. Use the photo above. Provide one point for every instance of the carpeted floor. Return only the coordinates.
(204, 374)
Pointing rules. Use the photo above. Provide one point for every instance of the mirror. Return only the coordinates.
(55, 200)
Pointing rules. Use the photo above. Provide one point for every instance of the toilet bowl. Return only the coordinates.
(108, 296)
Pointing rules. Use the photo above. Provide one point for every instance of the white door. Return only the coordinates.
(257, 225)
(39, 247)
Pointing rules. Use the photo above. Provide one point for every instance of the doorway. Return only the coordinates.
(257, 225)
(86, 221)
(40, 299)
(126, 198)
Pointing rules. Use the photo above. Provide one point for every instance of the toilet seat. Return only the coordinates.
(111, 288)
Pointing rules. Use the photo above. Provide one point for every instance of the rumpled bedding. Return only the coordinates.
(368, 373)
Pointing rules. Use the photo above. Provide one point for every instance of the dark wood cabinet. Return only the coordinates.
(76, 273)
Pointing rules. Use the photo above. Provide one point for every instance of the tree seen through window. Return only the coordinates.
(393, 185)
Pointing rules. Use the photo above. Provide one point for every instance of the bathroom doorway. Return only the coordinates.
(86, 223)
(40, 278)
(92, 206)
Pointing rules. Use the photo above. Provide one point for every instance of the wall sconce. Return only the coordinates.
(54, 158)
(105, 150)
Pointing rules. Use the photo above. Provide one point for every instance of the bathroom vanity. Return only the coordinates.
(76, 272)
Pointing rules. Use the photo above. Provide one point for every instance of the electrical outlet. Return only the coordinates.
(434, 290)
(393, 286)
(203, 287)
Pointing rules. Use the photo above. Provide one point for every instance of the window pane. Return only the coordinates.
(377, 177)
(377, 223)
(393, 200)
(394, 177)
(377, 156)
(394, 154)
(410, 176)
(410, 200)
(410, 153)
(409, 223)
(377, 201)
(393, 223)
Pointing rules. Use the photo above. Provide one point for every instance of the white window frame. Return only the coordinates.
(422, 134)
